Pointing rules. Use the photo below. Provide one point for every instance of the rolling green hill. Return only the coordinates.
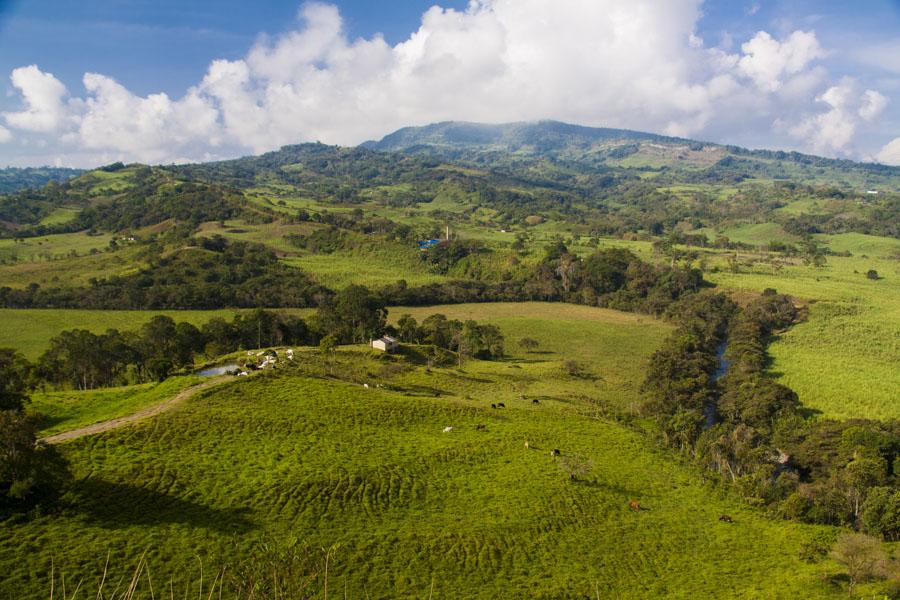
(535, 230)
(404, 510)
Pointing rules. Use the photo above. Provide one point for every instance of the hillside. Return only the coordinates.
(603, 147)
(267, 474)
(554, 288)
(13, 179)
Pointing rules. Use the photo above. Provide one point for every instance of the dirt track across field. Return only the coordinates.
(146, 413)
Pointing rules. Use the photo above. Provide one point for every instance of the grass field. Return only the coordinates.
(371, 268)
(369, 473)
(843, 359)
(51, 247)
(30, 330)
(65, 270)
(63, 214)
(63, 411)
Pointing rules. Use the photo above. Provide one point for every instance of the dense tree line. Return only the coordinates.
(753, 433)
(612, 277)
(30, 472)
(85, 360)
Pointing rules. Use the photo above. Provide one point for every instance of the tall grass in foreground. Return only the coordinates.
(285, 571)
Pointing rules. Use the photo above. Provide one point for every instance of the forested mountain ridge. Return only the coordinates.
(605, 147)
(13, 179)
(609, 181)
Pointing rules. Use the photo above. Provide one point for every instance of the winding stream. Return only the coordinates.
(709, 411)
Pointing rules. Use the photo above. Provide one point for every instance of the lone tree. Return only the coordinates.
(327, 346)
(861, 555)
(528, 344)
(575, 466)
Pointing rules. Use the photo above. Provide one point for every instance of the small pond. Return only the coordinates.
(220, 370)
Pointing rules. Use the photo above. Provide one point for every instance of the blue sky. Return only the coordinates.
(822, 77)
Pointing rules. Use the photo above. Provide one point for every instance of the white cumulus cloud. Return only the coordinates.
(890, 154)
(151, 128)
(872, 105)
(42, 95)
(832, 132)
(637, 64)
(768, 61)
(5, 135)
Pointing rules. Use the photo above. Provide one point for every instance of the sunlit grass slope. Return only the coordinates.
(409, 510)
(844, 360)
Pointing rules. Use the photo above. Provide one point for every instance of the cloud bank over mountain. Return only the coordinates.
(621, 63)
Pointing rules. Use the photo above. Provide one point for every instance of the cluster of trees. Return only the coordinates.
(214, 273)
(85, 360)
(444, 256)
(612, 277)
(753, 433)
(468, 339)
(30, 472)
(153, 200)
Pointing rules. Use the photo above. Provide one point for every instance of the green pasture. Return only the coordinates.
(66, 410)
(61, 215)
(372, 267)
(51, 247)
(843, 359)
(62, 270)
(232, 475)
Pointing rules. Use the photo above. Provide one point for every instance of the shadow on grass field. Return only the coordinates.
(116, 505)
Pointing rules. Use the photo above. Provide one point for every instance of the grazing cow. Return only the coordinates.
(501, 405)
(634, 505)
(555, 452)
(535, 401)
(480, 427)
(366, 385)
(726, 519)
(493, 406)
(448, 429)
(526, 444)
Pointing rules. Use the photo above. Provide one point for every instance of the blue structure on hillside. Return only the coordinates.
(426, 244)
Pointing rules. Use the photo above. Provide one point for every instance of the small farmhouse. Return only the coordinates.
(385, 343)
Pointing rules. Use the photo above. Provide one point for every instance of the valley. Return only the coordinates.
(586, 278)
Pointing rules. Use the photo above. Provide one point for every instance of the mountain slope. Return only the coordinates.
(590, 147)
(13, 179)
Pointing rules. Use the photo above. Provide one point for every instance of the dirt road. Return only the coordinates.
(140, 415)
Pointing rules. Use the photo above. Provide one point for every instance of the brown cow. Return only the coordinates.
(634, 505)
(726, 519)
